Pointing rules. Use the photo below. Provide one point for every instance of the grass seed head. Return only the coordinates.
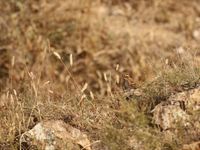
(57, 55)
(71, 59)
(84, 87)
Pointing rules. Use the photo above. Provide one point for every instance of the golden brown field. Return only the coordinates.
(110, 69)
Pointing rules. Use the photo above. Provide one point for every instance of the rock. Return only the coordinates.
(192, 146)
(188, 100)
(167, 116)
(55, 134)
(177, 109)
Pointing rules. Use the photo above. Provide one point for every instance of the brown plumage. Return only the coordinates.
(127, 82)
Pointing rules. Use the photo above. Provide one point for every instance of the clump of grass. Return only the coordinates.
(180, 77)
(183, 78)
(115, 139)
(130, 124)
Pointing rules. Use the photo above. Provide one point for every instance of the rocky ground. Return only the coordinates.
(95, 75)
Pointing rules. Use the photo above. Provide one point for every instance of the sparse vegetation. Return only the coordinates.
(67, 60)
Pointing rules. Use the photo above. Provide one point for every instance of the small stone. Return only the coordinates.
(53, 134)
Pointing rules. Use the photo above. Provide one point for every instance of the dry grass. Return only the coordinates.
(67, 60)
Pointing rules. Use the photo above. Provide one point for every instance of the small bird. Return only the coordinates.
(129, 87)
(127, 83)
